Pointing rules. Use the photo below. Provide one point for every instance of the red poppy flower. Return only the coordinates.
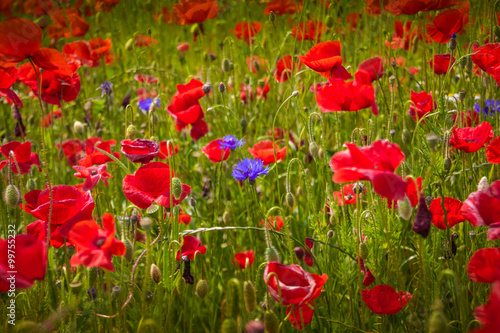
(184, 218)
(262, 91)
(483, 208)
(8, 77)
(183, 47)
(308, 255)
(422, 222)
(469, 118)
(68, 207)
(140, 150)
(310, 30)
(214, 153)
(374, 67)
(72, 149)
(29, 265)
(22, 155)
(348, 196)
(453, 215)
(100, 49)
(383, 299)
(348, 95)
(375, 163)
(412, 192)
(285, 67)
(411, 7)
(402, 36)
(281, 7)
(141, 40)
(151, 183)
(264, 151)
(39, 228)
(80, 51)
(95, 247)
(369, 278)
(484, 265)
(323, 57)
(275, 222)
(167, 152)
(373, 7)
(190, 246)
(422, 104)
(195, 11)
(487, 57)
(446, 23)
(242, 257)
(67, 23)
(95, 157)
(493, 151)
(487, 314)
(471, 139)
(247, 31)
(300, 316)
(92, 175)
(296, 286)
(441, 63)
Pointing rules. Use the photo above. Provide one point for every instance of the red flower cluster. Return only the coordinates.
(247, 31)
(383, 299)
(310, 30)
(95, 157)
(89, 53)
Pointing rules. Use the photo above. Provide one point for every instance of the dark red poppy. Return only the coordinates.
(264, 151)
(493, 151)
(296, 286)
(411, 7)
(412, 192)
(95, 157)
(301, 315)
(242, 257)
(374, 67)
(369, 278)
(274, 222)
(469, 118)
(72, 149)
(483, 208)
(422, 104)
(29, 265)
(151, 183)
(95, 247)
(383, 299)
(8, 77)
(441, 63)
(23, 156)
(353, 95)
(471, 139)
(285, 67)
(167, 152)
(446, 23)
(140, 150)
(68, 207)
(347, 195)
(39, 229)
(375, 163)
(453, 215)
(487, 314)
(310, 30)
(282, 7)
(423, 220)
(246, 31)
(484, 265)
(190, 247)
(195, 11)
(92, 175)
(214, 152)
(323, 57)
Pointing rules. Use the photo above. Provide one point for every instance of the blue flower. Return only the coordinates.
(249, 168)
(145, 105)
(106, 87)
(231, 142)
(492, 107)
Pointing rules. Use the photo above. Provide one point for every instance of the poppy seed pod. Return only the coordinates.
(272, 254)
(155, 273)
(129, 250)
(131, 132)
(176, 188)
(232, 297)
(405, 209)
(249, 296)
(461, 95)
(12, 196)
(313, 149)
(229, 326)
(78, 127)
(290, 199)
(406, 136)
(202, 289)
(271, 322)
(146, 224)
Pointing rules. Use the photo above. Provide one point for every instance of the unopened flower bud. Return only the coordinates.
(12, 196)
(483, 184)
(180, 285)
(321, 153)
(272, 255)
(271, 322)
(290, 199)
(78, 127)
(192, 202)
(313, 149)
(363, 251)
(176, 188)
(272, 17)
(146, 224)
(249, 296)
(92, 273)
(131, 132)
(116, 291)
(405, 209)
(433, 140)
(129, 250)
(461, 95)
(222, 87)
(329, 21)
(207, 88)
(155, 273)
(202, 289)
(472, 235)
(329, 234)
(452, 44)
(406, 136)
(243, 124)
(447, 164)
(226, 65)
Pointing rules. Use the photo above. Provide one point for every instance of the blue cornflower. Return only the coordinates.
(106, 87)
(249, 168)
(492, 107)
(145, 105)
(231, 142)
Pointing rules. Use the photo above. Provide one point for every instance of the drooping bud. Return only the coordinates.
(313, 149)
(422, 223)
(201, 289)
(271, 322)
(155, 273)
(249, 296)
(483, 184)
(290, 199)
(131, 131)
(129, 250)
(406, 136)
(405, 209)
(78, 127)
(272, 254)
(176, 188)
(447, 164)
(180, 285)
(329, 21)
(12, 196)
(226, 65)
(363, 251)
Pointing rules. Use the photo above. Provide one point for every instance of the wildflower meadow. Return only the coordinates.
(250, 166)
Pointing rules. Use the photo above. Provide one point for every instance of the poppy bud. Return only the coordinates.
(272, 254)
(299, 191)
(461, 95)
(226, 65)
(483, 184)
(92, 273)
(290, 199)
(255, 326)
(363, 251)
(256, 65)
(433, 140)
(271, 322)
(192, 202)
(406, 136)
(226, 217)
(76, 287)
(415, 44)
(207, 88)
(313, 149)
(31, 184)
(405, 209)
(295, 93)
(452, 44)
(243, 124)
(321, 153)
(329, 234)
(329, 21)
(392, 132)
(78, 127)
(229, 326)
(155, 273)
(129, 250)
(202, 289)
(176, 188)
(12, 196)
(437, 320)
(447, 164)
(180, 285)
(299, 252)
(272, 17)
(222, 87)
(392, 79)
(468, 64)
(232, 297)
(129, 44)
(422, 223)
(131, 131)
(249, 296)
